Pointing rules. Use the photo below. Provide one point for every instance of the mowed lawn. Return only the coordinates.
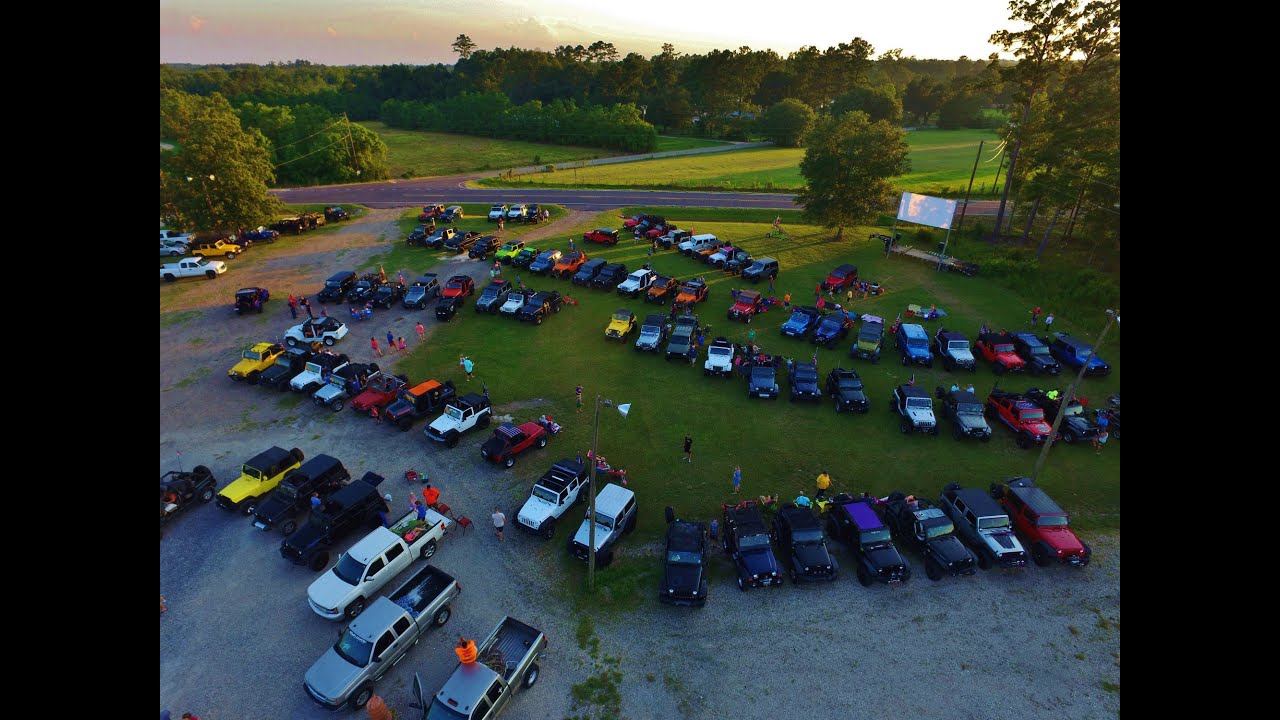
(941, 161)
(781, 446)
(414, 153)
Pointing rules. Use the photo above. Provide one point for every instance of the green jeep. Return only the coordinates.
(870, 338)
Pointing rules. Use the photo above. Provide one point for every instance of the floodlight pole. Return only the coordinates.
(1071, 393)
(965, 207)
(942, 256)
(591, 496)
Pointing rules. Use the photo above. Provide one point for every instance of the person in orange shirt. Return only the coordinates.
(466, 650)
(431, 495)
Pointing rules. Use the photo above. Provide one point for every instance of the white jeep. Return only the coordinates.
(559, 488)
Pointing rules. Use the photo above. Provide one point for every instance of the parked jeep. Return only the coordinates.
(984, 525)
(469, 411)
(637, 282)
(419, 401)
(720, 355)
(746, 304)
(315, 372)
(254, 360)
(1022, 416)
(953, 347)
(259, 475)
(621, 324)
(459, 286)
(419, 235)
(915, 408)
(484, 247)
(510, 440)
(762, 379)
(653, 332)
(559, 488)
(832, 329)
(525, 257)
(352, 507)
(180, 490)
(804, 381)
(870, 339)
(840, 278)
(1043, 524)
(588, 271)
(916, 522)
(322, 475)
(913, 343)
(1076, 426)
(386, 295)
(845, 387)
(493, 296)
(1036, 354)
(337, 286)
(537, 307)
(250, 300)
(346, 382)
(663, 289)
(447, 307)
(362, 291)
(568, 264)
(854, 522)
(744, 537)
(609, 277)
(998, 349)
(964, 409)
(803, 319)
(616, 513)
(516, 300)
(545, 261)
(684, 569)
(683, 335)
(761, 269)
(800, 539)
(423, 290)
(1076, 353)
(285, 368)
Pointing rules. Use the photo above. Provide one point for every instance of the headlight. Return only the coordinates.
(807, 568)
(755, 577)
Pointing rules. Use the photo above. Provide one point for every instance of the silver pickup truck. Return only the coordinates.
(379, 638)
(482, 689)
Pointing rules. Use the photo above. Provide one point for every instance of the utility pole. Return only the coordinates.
(207, 200)
(591, 496)
(1112, 316)
(354, 160)
(964, 208)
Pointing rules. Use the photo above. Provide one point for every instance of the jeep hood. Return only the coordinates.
(534, 511)
(811, 555)
(239, 489)
(330, 591)
(951, 550)
(328, 392)
(684, 579)
(758, 562)
(920, 415)
(961, 356)
(305, 537)
(443, 424)
(244, 366)
(885, 556)
(864, 344)
(616, 326)
(273, 508)
(852, 396)
(303, 379)
(580, 537)
(794, 325)
(1001, 541)
(741, 307)
(972, 421)
(1010, 359)
(1061, 538)
(630, 284)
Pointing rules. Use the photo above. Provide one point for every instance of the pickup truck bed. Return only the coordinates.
(513, 641)
(421, 590)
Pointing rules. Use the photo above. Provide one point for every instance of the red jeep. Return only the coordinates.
(509, 440)
(1024, 417)
(458, 286)
(604, 236)
(997, 349)
(841, 277)
(1044, 525)
(430, 212)
(748, 303)
(380, 392)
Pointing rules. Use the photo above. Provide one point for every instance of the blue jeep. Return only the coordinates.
(802, 320)
(747, 540)
(1074, 352)
(913, 342)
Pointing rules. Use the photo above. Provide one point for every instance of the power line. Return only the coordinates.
(322, 130)
(313, 152)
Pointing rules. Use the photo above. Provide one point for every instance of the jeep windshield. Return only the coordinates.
(683, 558)
(957, 344)
(1031, 415)
(939, 527)
(287, 491)
(498, 208)
(1037, 349)
(621, 317)
(1004, 348)
(313, 368)
(870, 334)
(1083, 354)
(454, 413)
(544, 494)
(919, 402)
(717, 351)
(874, 537)
(993, 523)
(251, 355)
(349, 569)
(850, 384)
(917, 342)
(354, 649)
(1052, 521)
(798, 317)
(250, 472)
(753, 542)
(806, 537)
(604, 521)
(969, 409)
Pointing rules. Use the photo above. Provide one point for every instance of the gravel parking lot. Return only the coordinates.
(239, 635)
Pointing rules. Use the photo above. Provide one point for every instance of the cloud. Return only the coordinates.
(331, 31)
(196, 22)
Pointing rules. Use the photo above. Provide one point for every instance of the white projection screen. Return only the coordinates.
(925, 210)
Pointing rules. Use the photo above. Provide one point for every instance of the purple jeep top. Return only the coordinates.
(863, 516)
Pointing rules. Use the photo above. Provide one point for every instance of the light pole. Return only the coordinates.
(207, 201)
(591, 488)
(1112, 316)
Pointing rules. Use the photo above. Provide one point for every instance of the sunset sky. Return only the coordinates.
(376, 32)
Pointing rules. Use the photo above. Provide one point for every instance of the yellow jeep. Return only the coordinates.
(254, 360)
(258, 476)
(215, 248)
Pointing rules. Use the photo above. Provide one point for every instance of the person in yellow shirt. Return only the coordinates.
(824, 482)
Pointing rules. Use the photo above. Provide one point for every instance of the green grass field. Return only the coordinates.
(413, 153)
(672, 142)
(941, 161)
(530, 370)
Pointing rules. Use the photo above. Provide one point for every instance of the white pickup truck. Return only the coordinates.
(192, 267)
(375, 560)
(559, 488)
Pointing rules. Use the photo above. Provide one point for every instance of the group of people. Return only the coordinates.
(296, 302)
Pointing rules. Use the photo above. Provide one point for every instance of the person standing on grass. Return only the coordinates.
(786, 301)
(1048, 321)
(422, 332)
(373, 342)
(499, 521)
(293, 306)
(578, 392)
(400, 343)
(770, 284)
(688, 447)
(1035, 315)
(1100, 439)
(824, 483)
(571, 247)
(467, 365)
(737, 478)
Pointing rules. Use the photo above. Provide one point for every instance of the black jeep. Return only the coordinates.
(180, 490)
(965, 411)
(684, 573)
(322, 474)
(854, 522)
(355, 506)
(419, 401)
(799, 537)
(286, 366)
(609, 276)
(746, 539)
(845, 387)
(919, 524)
(363, 289)
(422, 290)
(337, 286)
(1076, 426)
(387, 294)
(538, 307)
